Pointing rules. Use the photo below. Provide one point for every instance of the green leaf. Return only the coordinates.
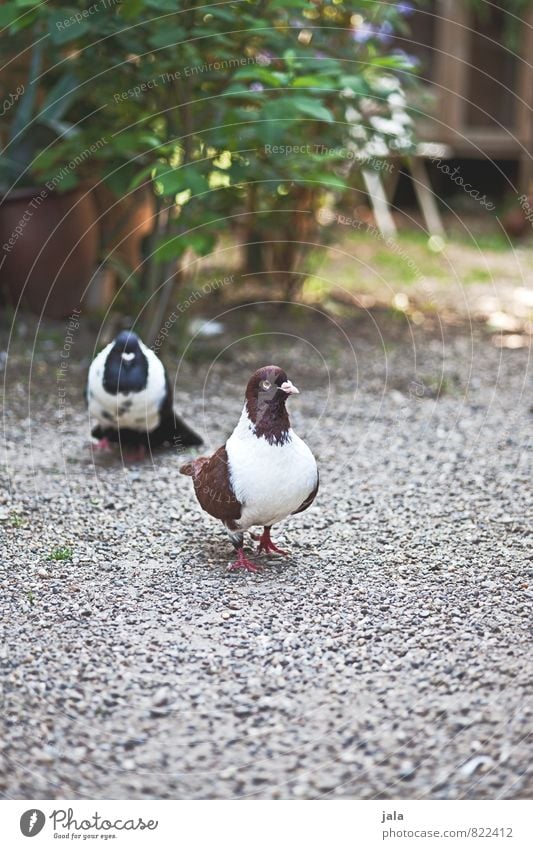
(256, 73)
(354, 81)
(201, 243)
(238, 90)
(312, 107)
(314, 81)
(8, 13)
(66, 25)
(134, 143)
(192, 180)
(395, 62)
(170, 180)
(330, 181)
(170, 247)
(131, 8)
(221, 14)
(167, 36)
(285, 4)
(62, 182)
(145, 175)
(174, 180)
(119, 176)
(161, 5)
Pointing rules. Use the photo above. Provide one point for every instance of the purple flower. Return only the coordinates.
(385, 32)
(256, 87)
(408, 60)
(363, 33)
(264, 57)
(405, 9)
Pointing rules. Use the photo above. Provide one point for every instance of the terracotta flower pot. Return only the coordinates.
(48, 248)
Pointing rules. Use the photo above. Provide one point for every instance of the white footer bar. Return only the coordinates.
(350, 824)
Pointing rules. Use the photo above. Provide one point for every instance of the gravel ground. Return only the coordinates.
(388, 657)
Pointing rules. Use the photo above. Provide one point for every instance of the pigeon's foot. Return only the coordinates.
(266, 544)
(136, 455)
(102, 445)
(242, 562)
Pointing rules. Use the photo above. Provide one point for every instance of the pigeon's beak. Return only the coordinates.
(127, 356)
(289, 388)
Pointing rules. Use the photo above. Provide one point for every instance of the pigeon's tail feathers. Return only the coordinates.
(193, 466)
(173, 431)
(184, 436)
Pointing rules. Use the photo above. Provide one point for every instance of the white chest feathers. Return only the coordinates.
(134, 410)
(270, 481)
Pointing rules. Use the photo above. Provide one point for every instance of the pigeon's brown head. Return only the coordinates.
(266, 394)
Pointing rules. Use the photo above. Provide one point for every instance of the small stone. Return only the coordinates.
(156, 713)
(161, 697)
(480, 762)
(348, 757)
(407, 770)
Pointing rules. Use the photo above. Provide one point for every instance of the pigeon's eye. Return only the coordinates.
(265, 384)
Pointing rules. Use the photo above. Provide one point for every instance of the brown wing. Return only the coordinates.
(309, 500)
(213, 488)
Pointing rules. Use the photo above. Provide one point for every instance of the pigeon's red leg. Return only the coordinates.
(266, 544)
(102, 445)
(136, 455)
(242, 562)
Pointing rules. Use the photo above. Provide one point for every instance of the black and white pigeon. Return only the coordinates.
(263, 473)
(130, 399)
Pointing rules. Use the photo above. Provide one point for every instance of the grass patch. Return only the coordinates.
(52, 336)
(477, 275)
(497, 242)
(361, 262)
(62, 552)
(389, 263)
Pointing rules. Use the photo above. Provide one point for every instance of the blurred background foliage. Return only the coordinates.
(203, 107)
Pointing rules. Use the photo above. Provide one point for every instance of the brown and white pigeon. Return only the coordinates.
(263, 473)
